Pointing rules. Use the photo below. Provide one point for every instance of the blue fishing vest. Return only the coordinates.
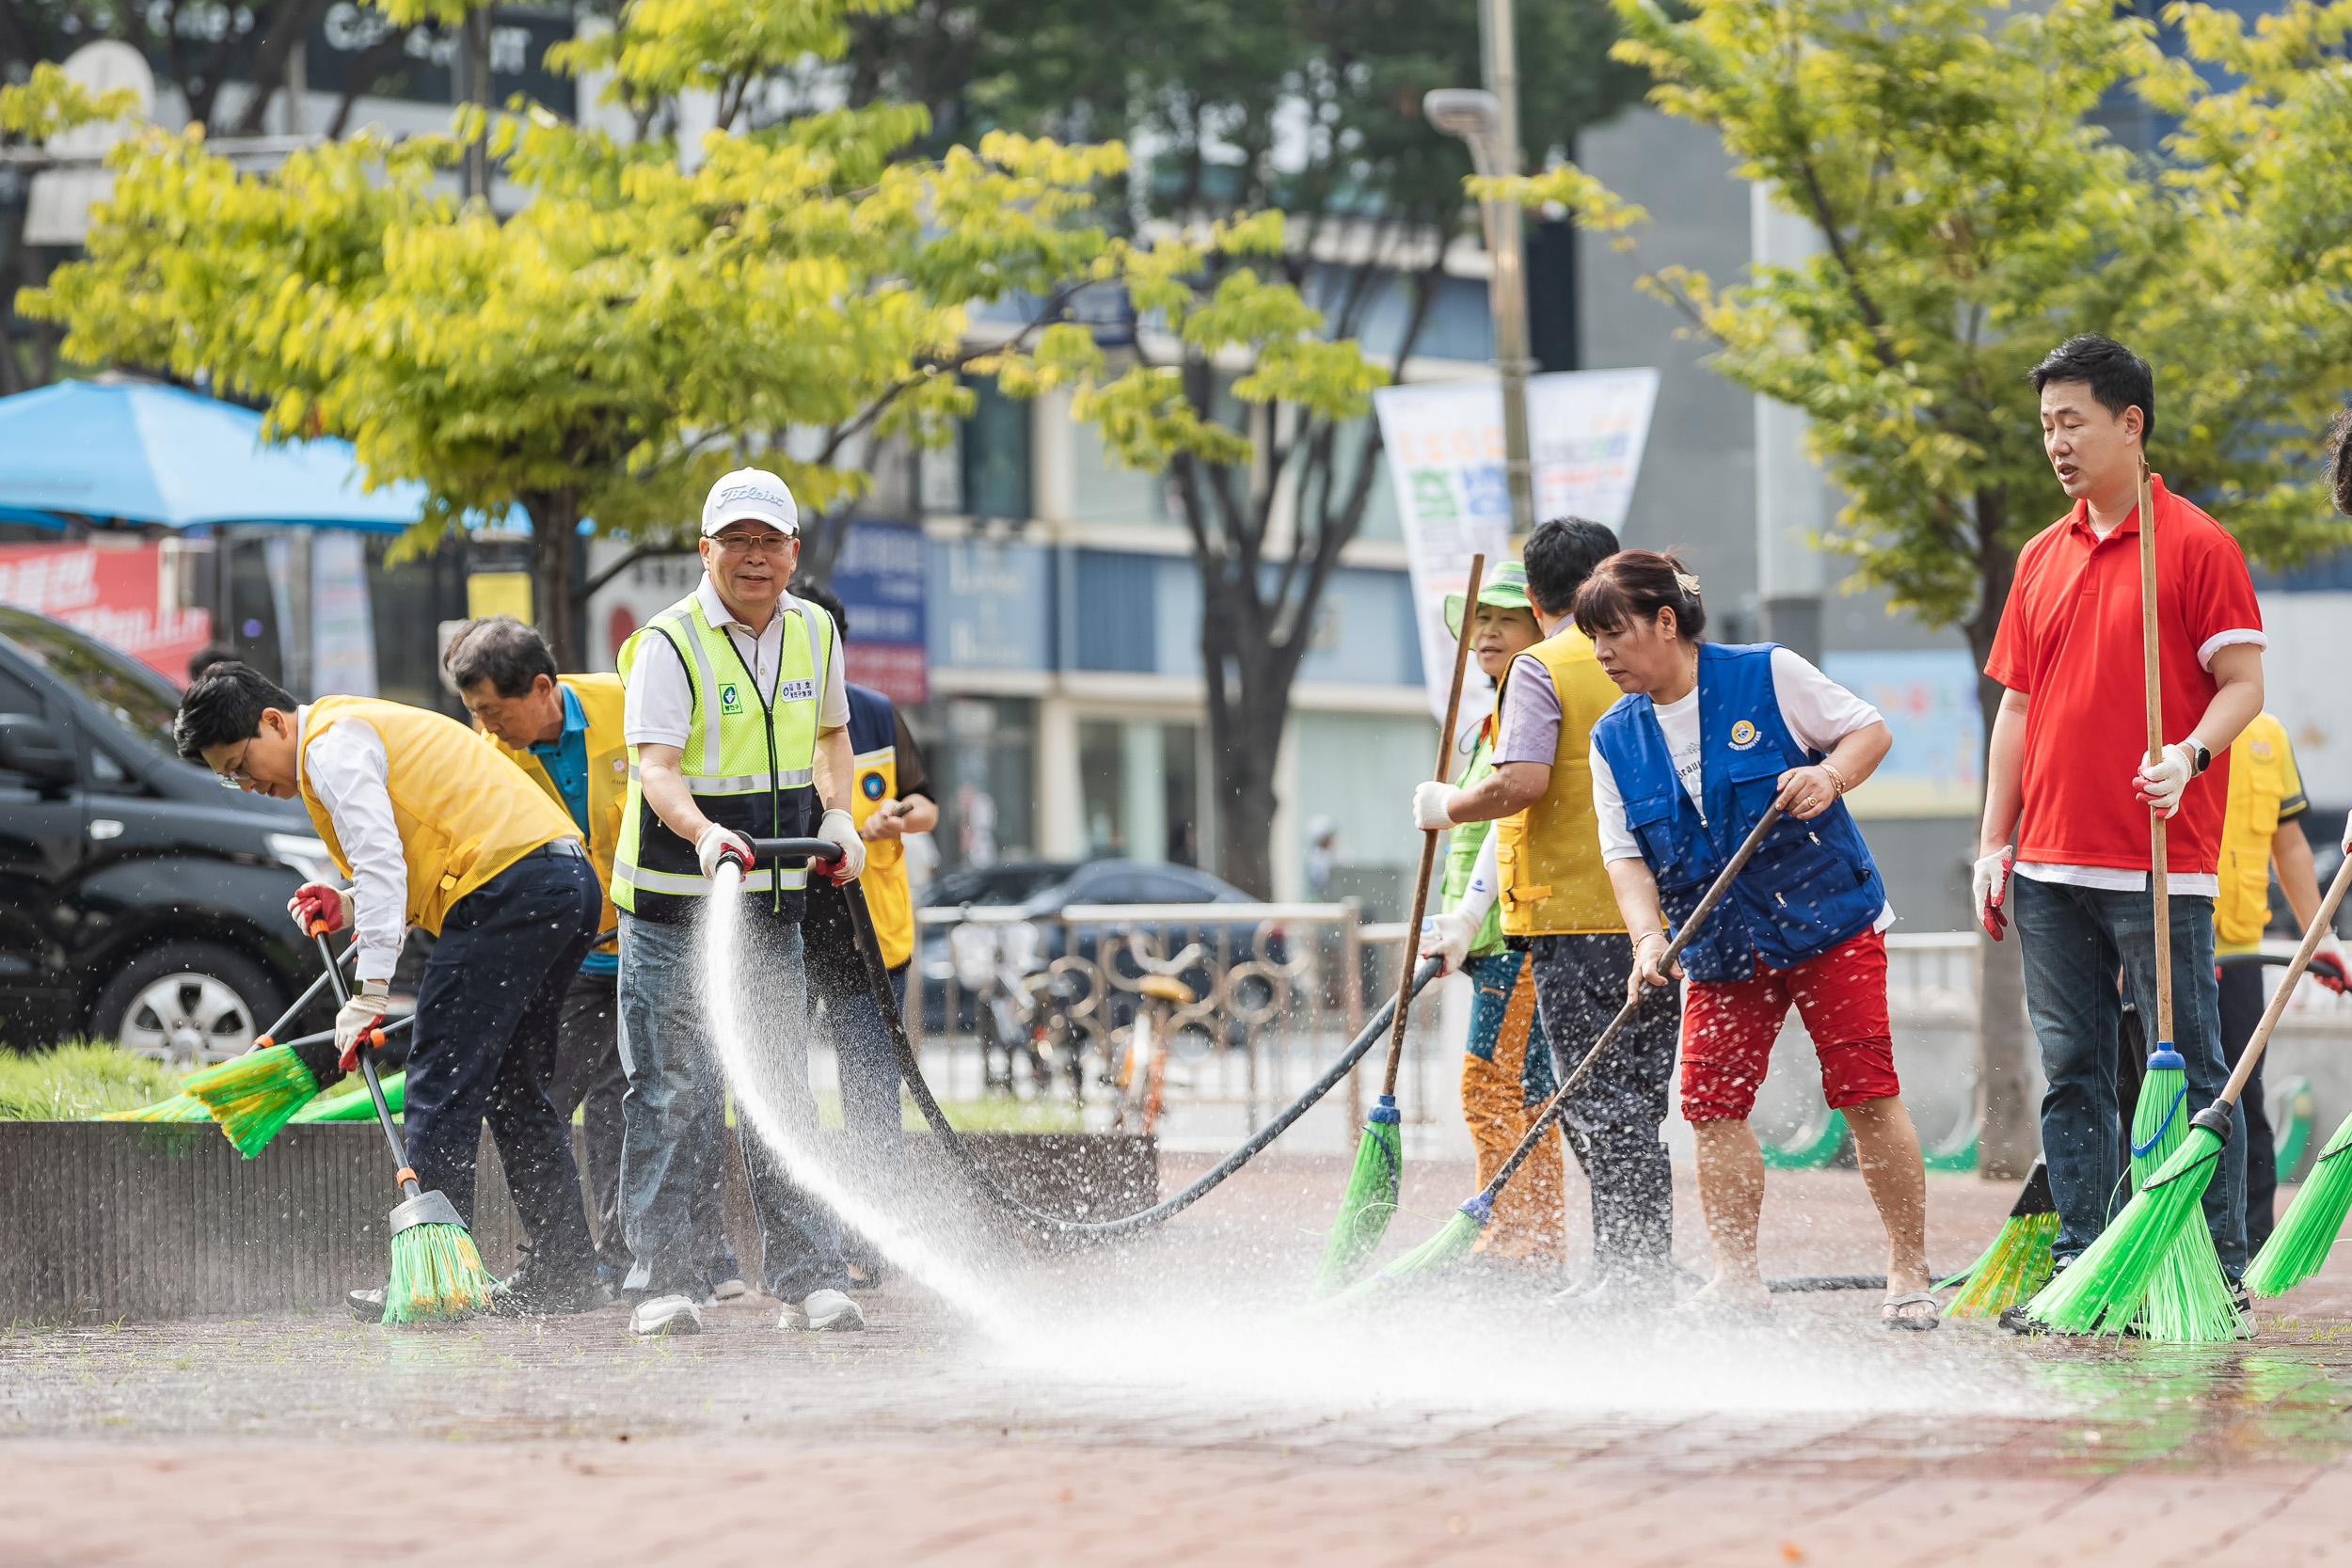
(1809, 885)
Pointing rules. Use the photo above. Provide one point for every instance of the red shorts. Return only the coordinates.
(1728, 1027)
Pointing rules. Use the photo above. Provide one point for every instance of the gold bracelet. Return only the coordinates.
(1834, 776)
(1644, 936)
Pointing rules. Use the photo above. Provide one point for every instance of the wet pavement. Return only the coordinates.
(1170, 1403)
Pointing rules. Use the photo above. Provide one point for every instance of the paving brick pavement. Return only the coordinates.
(1168, 1403)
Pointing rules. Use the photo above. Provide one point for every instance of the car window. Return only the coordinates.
(1120, 886)
(16, 696)
(1161, 887)
(137, 698)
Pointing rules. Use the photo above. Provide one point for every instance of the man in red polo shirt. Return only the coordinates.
(2067, 772)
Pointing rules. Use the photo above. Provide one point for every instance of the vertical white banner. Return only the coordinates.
(1586, 430)
(342, 625)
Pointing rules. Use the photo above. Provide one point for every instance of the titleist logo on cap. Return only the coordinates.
(747, 493)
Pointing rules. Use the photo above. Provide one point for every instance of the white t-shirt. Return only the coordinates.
(1817, 710)
(657, 704)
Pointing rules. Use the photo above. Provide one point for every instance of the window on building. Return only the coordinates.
(1140, 788)
(980, 752)
(995, 444)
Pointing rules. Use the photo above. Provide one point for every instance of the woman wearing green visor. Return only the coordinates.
(1507, 1066)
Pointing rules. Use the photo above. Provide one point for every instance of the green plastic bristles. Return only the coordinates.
(355, 1107)
(2018, 1262)
(1369, 1202)
(254, 1095)
(2299, 1245)
(2107, 1285)
(436, 1274)
(1450, 1246)
(180, 1107)
(2012, 1268)
(2189, 1300)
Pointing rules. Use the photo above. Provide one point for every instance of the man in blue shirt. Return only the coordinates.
(564, 732)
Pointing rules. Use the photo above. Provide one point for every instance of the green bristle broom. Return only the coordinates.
(1370, 1200)
(436, 1270)
(1454, 1241)
(2105, 1287)
(2188, 1299)
(180, 1107)
(255, 1095)
(2300, 1244)
(2018, 1262)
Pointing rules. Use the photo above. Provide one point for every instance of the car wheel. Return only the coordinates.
(187, 1002)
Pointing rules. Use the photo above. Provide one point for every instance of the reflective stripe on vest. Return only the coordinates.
(1809, 886)
(749, 760)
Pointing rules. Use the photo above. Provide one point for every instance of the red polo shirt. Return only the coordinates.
(2069, 639)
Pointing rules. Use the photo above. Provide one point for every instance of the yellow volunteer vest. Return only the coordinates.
(2262, 775)
(888, 898)
(464, 815)
(750, 762)
(1548, 857)
(607, 777)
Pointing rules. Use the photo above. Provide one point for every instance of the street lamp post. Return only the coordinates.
(1488, 120)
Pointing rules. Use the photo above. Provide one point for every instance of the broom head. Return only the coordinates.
(254, 1095)
(1449, 1246)
(2012, 1268)
(1369, 1202)
(2299, 1245)
(437, 1271)
(2102, 1290)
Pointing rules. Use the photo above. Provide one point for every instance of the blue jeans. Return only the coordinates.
(2076, 940)
(673, 1112)
(486, 1015)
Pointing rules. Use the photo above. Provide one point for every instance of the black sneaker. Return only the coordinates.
(2013, 1320)
(366, 1306)
(535, 1292)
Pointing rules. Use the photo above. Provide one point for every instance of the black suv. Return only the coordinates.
(140, 901)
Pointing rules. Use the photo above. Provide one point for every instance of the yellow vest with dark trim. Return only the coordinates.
(1548, 857)
(2262, 777)
(601, 704)
(750, 761)
(464, 815)
(874, 733)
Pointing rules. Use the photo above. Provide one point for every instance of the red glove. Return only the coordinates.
(2328, 969)
(314, 902)
(1989, 891)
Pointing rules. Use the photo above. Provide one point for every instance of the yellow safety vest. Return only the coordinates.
(2263, 779)
(888, 898)
(1548, 857)
(750, 761)
(601, 704)
(464, 815)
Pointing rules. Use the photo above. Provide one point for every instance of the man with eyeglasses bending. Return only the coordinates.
(737, 712)
(434, 829)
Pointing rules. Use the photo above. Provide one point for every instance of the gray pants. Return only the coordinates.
(1612, 1122)
(673, 1114)
(587, 1072)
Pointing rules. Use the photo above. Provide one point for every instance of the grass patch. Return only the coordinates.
(79, 1079)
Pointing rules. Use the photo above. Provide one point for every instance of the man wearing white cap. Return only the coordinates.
(736, 712)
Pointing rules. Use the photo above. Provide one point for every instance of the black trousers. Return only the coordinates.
(2241, 1009)
(487, 1014)
(586, 1071)
(1612, 1122)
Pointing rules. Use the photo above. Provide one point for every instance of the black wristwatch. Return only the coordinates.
(2200, 758)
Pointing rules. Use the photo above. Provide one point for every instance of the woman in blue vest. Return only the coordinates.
(1708, 736)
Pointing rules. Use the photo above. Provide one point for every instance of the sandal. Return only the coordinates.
(1891, 1312)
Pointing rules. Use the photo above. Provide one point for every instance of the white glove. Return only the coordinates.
(837, 829)
(1448, 937)
(1433, 805)
(355, 1017)
(1989, 888)
(2161, 781)
(715, 843)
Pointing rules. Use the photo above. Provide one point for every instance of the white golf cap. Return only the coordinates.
(748, 495)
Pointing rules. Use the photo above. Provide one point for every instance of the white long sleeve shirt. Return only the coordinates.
(350, 772)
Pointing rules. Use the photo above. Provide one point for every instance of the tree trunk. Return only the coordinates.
(554, 535)
(2008, 1135)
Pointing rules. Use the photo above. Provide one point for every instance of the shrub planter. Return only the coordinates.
(152, 1220)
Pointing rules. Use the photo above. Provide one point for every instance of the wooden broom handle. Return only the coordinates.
(2151, 664)
(1429, 838)
(2322, 923)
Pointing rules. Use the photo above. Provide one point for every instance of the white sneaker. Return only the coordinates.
(660, 1316)
(823, 1309)
(728, 1289)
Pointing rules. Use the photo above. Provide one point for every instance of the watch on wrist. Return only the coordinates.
(2200, 758)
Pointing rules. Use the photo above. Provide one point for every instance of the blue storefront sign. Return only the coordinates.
(883, 578)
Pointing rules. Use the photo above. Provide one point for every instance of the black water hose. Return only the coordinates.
(894, 1024)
